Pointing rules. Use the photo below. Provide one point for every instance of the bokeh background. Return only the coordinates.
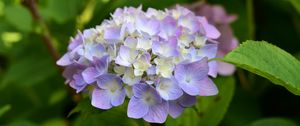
(33, 93)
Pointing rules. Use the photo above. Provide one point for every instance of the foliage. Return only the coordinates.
(278, 66)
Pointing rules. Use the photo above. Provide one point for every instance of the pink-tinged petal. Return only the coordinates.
(168, 89)
(101, 99)
(118, 97)
(112, 34)
(157, 113)
(175, 109)
(225, 69)
(187, 100)
(220, 15)
(136, 108)
(89, 75)
(210, 30)
(65, 60)
(208, 88)
(213, 68)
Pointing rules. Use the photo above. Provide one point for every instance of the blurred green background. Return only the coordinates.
(32, 90)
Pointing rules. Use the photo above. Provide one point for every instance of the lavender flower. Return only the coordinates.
(146, 103)
(158, 59)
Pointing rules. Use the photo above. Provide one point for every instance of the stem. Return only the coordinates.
(251, 25)
(32, 7)
(47, 38)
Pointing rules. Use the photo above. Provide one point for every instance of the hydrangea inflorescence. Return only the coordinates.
(158, 59)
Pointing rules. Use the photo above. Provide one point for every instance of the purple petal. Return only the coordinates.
(208, 88)
(151, 70)
(225, 69)
(118, 97)
(147, 93)
(191, 88)
(126, 56)
(209, 50)
(65, 60)
(213, 68)
(186, 100)
(165, 48)
(93, 50)
(112, 34)
(150, 27)
(89, 75)
(168, 27)
(210, 30)
(139, 89)
(168, 89)
(157, 113)
(188, 75)
(175, 109)
(75, 41)
(109, 82)
(72, 69)
(78, 83)
(189, 21)
(136, 108)
(101, 65)
(197, 70)
(101, 99)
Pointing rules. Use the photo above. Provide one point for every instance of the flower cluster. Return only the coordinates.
(158, 59)
(216, 15)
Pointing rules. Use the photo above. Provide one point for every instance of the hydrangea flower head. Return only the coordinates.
(158, 59)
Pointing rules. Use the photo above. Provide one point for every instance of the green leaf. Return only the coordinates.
(112, 117)
(273, 122)
(296, 4)
(57, 96)
(85, 108)
(62, 10)
(19, 17)
(28, 71)
(22, 123)
(268, 61)
(55, 122)
(208, 111)
(4, 109)
(91, 116)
